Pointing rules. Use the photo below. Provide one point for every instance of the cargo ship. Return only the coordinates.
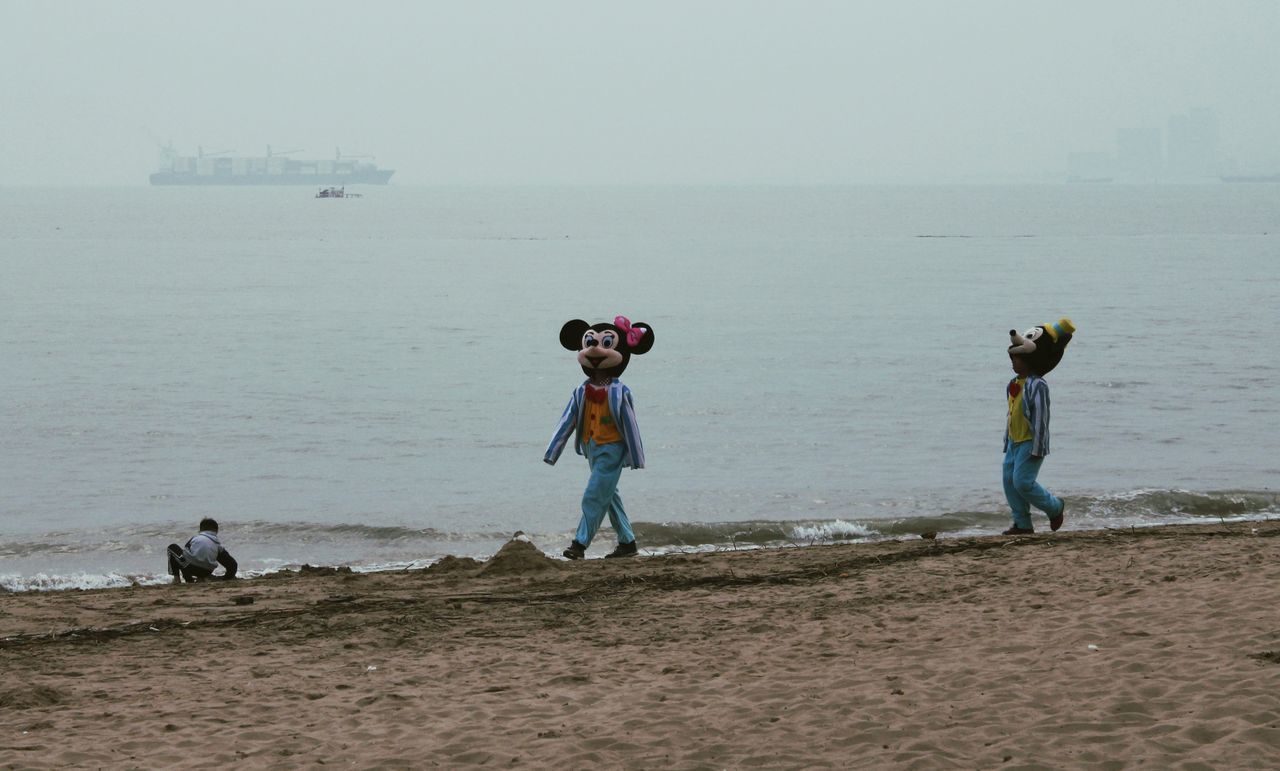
(221, 168)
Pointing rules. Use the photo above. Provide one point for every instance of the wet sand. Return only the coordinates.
(1157, 648)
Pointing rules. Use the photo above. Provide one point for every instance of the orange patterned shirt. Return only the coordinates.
(597, 420)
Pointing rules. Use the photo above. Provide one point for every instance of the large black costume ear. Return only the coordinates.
(571, 334)
(646, 342)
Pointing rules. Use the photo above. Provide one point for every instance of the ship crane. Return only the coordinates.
(167, 153)
(202, 154)
(281, 152)
(337, 155)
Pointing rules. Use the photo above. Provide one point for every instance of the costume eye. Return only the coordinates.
(607, 341)
(589, 340)
(1034, 333)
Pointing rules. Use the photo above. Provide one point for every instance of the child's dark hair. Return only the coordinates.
(208, 523)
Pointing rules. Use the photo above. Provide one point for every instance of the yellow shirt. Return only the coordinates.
(598, 424)
(1019, 428)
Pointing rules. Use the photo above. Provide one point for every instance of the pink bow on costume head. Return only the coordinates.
(634, 334)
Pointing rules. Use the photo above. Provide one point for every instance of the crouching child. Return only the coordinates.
(201, 555)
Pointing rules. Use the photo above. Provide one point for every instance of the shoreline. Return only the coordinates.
(660, 539)
(1153, 645)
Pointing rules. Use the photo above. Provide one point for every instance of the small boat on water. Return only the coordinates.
(335, 192)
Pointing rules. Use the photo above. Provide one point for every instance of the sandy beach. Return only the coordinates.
(1157, 648)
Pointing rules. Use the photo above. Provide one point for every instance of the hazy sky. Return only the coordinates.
(593, 91)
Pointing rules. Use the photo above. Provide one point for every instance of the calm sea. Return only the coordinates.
(372, 381)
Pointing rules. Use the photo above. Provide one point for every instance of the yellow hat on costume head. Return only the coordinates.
(1062, 326)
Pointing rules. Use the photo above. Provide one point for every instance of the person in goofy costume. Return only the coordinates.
(602, 418)
(1026, 438)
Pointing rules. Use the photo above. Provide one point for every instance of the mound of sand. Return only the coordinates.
(518, 557)
(322, 570)
(304, 571)
(452, 564)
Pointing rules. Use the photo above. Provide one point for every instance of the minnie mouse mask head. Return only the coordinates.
(605, 349)
(1042, 347)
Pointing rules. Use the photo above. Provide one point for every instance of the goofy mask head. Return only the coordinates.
(605, 349)
(1042, 347)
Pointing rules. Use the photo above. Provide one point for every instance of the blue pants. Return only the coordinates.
(1020, 485)
(601, 496)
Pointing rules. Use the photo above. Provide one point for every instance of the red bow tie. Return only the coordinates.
(597, 395)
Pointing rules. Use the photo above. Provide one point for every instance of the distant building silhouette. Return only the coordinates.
(1189, 152)
(1193, 144)
(1139, 156)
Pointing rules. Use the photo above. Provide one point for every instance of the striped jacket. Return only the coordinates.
(624, 414)
(1035, 406)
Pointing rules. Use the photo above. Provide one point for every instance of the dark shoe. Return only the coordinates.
(1056, 522)
(623, 550)
(576, 551)
(1015, 530)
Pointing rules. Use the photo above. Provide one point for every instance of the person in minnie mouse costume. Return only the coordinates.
(602, 418)
(1026, 437)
